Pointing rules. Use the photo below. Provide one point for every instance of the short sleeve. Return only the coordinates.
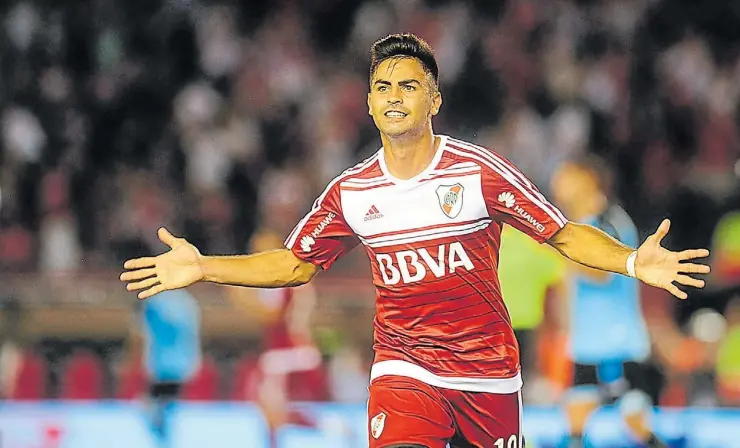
(512, 198)
(323, 236)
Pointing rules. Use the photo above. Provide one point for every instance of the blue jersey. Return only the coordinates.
(606, 318)
(171, 321)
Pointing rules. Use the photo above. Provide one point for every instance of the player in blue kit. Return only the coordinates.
(609, 341)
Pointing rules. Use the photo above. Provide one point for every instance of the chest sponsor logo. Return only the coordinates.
(409, 266)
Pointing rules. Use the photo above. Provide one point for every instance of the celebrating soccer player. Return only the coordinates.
(429, 210)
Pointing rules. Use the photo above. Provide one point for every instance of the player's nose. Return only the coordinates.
(395, 97)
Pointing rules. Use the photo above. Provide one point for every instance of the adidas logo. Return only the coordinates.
(373, 213)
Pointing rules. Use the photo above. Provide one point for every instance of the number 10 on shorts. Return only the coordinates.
(511, 443)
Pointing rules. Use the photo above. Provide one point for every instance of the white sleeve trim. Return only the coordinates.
(293, 237)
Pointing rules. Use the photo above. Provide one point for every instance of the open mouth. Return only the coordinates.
(395, 114)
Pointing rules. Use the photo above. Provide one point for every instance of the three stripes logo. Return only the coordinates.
(373, 213)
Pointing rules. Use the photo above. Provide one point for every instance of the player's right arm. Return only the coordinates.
(183, 265)
(318, 240)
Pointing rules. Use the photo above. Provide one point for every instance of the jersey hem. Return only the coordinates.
(409, 370)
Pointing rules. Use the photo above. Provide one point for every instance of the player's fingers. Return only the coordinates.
(156, 289)
(142, 284)
(138, 263)
(690, 254)
(137, 274)
(673, 289)
(662, 231)
(166, 237)
(694, 268)
(690, 281)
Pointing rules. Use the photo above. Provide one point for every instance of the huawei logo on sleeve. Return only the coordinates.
(307, 242)
(507, 198)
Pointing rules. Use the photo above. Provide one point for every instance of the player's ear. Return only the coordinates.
(436, 102)
(369, 109)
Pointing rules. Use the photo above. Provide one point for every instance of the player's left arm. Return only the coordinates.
(653, 264)
(513, 199)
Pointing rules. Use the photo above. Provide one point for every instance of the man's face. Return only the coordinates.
(402, 97)
(571, 184)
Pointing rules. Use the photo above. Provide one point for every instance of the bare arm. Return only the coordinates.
(183, 265)
(272, 269)
(591, 247)
(654, 264)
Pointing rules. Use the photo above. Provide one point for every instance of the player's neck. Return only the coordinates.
(407, 156)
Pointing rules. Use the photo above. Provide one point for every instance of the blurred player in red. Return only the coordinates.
(289, 368)
(428, 210)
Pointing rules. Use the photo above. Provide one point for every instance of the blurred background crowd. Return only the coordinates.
(224, 119)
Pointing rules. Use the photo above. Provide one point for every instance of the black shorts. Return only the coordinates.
(641, 376)
(165, 391)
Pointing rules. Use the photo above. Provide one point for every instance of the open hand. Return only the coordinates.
(661, 267)
(177, 268)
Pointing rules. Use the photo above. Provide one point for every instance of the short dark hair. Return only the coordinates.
(404, 45)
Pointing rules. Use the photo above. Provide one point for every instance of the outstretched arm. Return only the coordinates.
(272, 269)
(591, 247)
(183, 265)
(653, 264)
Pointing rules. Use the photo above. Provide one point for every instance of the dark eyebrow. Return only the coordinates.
(405, 82)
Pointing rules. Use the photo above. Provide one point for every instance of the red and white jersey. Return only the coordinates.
(433, 242)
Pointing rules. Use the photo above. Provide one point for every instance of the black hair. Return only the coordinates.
(404, 45)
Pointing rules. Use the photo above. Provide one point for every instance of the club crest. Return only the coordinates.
(450, 199)
(377, 424)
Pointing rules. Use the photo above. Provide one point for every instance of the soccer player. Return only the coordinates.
(609, 349)
(289, 368)
(172, 355)
(429, 210)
